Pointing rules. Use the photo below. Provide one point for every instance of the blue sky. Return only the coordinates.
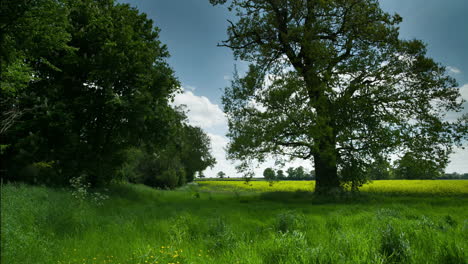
(191, 30)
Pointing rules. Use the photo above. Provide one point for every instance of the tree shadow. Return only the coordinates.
(363, 198)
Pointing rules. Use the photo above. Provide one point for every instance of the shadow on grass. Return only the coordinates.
(301, 197)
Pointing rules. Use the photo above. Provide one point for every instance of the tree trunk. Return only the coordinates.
(326, 172)
(325, 156)
(325, 160)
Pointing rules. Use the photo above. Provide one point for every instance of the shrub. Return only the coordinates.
(289, 221)
(289, 247)
(221, 236)
(158, 171)
(394, 246)
(184, 228)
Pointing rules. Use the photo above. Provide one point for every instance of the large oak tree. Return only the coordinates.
(332, 82)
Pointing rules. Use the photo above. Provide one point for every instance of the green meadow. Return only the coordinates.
(234, 222)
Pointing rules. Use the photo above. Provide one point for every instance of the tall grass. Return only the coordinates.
(414, 222)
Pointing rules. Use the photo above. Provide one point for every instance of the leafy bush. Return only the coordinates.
(394, 245)
(289, 247)
(220, 235)
(289, 221)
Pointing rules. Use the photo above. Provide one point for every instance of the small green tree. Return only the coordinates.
(221, 175)
(380, 169)
(300, 173)
(291, 173)
(280, 175)
(296, 173)
(269, 174)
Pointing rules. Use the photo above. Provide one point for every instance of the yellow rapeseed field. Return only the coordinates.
(380, 186)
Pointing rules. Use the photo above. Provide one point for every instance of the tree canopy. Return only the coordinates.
(332, 82)
(413, 166)
(269, 174)
(84, 81)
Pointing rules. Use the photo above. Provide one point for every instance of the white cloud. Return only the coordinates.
(458, 161)
(453, 69)
(189, 87)
(201, 112)
(464, 91)
(227, 77)
(218, 147)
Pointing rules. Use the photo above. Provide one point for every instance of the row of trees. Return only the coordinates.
(409, 166)
(298, 173)
(86, 91)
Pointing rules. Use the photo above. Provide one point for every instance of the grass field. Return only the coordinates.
(231, 222)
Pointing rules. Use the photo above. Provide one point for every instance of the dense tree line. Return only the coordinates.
(298, 173)
(86, 91)
(410, 166)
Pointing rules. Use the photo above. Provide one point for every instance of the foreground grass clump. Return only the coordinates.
(231, 222)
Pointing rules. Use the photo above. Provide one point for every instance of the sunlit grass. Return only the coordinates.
(232, 222)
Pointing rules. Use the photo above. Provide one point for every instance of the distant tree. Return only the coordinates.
(195, 151)
(380, 169)
(269, 174)
(280, 174)
(221, 174)
(413, 166)
(312, 174)
(300, 173)
(291, 173)
(297, 173)
(453, 175)
(332, 82)
(201, 175)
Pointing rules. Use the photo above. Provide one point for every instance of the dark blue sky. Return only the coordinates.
(191, 30)
(442, 25)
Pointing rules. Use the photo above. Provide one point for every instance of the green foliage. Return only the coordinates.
(280, 175)
(298, 174)
(353, 174)
(289, 221)
(394, 245)
(221, 174)
(413, 166)
(187, 153)
(380, 169)
(195, 147)
(269, 174)
(84, 83)
(332, 82)
(101, 85)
